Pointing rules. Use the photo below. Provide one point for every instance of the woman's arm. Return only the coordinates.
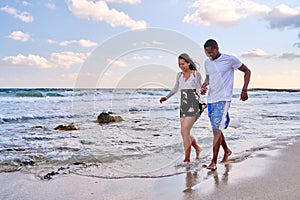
(174, 90)
(204, 85)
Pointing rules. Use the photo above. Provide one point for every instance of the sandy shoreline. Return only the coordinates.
(270, 174)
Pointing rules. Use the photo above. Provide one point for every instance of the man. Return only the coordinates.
(220, 76)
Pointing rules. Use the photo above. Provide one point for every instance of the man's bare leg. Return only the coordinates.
(227, 151)
(216, 147)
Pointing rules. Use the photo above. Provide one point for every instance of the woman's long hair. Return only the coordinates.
(187, 59)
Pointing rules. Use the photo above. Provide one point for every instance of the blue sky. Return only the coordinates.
(48, 43)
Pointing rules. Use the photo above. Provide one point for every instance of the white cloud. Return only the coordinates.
(51, 41)
(19, 35)
(67, 59)
(62, 59)
(124, 1)
(146, 43)
(154, 42)
(256, 53)
(259, 53)
(116, 63)
(220, 12)
(99, 11)
(83, 43)
(51, 5)
(71, 76)
(23, 16)
(25, 3)
(86, 43)
(30, 60)
(283, 16)
(140, 57)
(289, 56)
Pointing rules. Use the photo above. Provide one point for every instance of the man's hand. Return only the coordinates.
(244, 95)
(162, 99)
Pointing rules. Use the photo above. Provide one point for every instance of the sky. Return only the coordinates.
(135, 43)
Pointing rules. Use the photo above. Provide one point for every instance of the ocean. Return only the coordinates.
(146, 144)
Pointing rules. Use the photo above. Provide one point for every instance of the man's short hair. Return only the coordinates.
(211, 43)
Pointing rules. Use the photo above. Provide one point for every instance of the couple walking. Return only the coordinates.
(219, 69)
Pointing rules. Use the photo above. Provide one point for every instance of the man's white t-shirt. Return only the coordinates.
(221, 76)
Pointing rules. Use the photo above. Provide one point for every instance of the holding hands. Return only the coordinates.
(203, 89)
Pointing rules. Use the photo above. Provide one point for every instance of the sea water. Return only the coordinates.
(147, 143)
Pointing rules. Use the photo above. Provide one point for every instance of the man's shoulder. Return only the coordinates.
(207, 61)
(227, 56)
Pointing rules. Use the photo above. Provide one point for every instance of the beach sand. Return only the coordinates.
(270, 174)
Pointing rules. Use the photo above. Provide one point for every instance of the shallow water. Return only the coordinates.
(146, 144)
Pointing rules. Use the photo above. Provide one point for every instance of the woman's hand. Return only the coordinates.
(162, 99)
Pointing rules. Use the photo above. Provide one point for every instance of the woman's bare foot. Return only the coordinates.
(212, 166)
(198, 151)
(226, 155)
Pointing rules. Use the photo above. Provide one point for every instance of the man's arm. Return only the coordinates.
(247, 74)
(204, 85)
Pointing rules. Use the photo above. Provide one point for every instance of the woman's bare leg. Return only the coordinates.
(186, 126)
(196, 146)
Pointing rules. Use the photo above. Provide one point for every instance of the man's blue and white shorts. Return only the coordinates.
(218, 114)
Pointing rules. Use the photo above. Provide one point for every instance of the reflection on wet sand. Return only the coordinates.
(194, 178)
(225, 175)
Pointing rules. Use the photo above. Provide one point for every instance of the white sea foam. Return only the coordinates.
(146, 144)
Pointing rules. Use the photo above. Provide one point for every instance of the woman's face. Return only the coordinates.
(183, 65)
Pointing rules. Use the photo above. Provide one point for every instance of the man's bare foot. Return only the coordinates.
(226, 155)
(198, 151)
(186, 160)
(212, 167)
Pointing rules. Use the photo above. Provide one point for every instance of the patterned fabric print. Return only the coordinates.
(216, 114)
(189, 106)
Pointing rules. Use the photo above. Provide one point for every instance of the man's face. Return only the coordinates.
(211, 52)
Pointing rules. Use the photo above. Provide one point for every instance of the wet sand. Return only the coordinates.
(270, 174)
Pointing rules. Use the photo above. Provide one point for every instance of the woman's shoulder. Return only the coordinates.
(196, 73)
(179, 74)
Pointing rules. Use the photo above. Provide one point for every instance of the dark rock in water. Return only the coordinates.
(107, 118)
(49, 175)
(78, 163)
(19, 149)
(37, 127)
(156, 135)
(27, 162)
(70, 127)
(63, 168)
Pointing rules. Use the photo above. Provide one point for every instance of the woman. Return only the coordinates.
(189, 82)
